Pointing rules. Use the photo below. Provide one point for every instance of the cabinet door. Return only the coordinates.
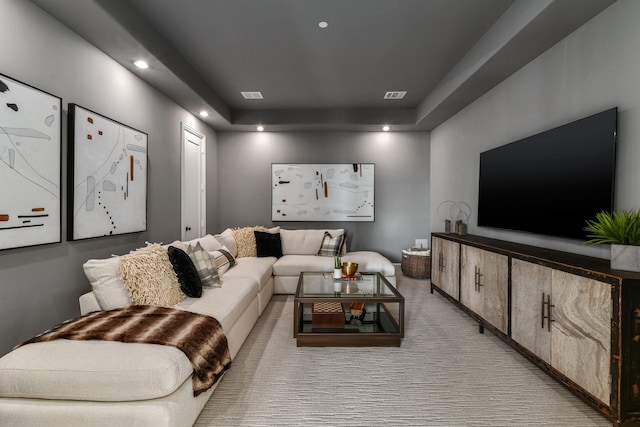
(493, 282)
(445, 263)
(581, 331)
(471, 263)
(530, 283)
(484, 283)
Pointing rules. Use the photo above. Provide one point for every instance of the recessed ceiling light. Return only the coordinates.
(386, 128)
(252, 95)
(141, 64)
(323, 24)
(396, 94)
(204, 113)
(259, 128)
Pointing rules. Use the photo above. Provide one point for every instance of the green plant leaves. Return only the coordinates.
(621, 228)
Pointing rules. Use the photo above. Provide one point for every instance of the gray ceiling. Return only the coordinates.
(444, 53)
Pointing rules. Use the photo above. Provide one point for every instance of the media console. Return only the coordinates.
(571, 315)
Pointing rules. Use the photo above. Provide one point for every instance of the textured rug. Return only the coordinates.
(444, 374)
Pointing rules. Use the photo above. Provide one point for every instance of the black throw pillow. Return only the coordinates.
(187, 274)
(268, 244)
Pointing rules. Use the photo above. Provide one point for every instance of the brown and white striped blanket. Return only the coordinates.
(198, 336)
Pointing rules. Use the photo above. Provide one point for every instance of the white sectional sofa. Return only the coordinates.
(104, 383)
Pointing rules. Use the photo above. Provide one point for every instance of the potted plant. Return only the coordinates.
(622, 231)
(337, 267)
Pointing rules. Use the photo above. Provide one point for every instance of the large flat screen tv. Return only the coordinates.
(552, 182)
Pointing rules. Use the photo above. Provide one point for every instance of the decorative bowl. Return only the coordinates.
(349, 268)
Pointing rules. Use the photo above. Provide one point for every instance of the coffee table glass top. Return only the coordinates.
(324, 285)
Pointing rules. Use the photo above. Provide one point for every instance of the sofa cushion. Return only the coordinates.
(268, 244)
(147, 273)
(293, 265)
(370, 262)
(259, 270)
(331, 245)
(227, 303)
(186, 271)
(108, 287)
(93, 370)
(204, 264)
(304, 242)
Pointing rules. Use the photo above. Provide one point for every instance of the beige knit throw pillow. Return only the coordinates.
(246, 240)
(148, 275)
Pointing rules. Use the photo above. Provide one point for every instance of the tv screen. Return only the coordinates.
(552, 182)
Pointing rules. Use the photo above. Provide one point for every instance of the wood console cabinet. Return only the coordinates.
(571, 315)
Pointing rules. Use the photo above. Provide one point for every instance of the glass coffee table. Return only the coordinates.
(322, 312)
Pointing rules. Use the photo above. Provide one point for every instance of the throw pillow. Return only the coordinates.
(187, 273)
(268, 244)
(148, 275)
(223, 260)
(227, 241)
(106, 283)
(246, 240)
(203, 263)
(331, 246)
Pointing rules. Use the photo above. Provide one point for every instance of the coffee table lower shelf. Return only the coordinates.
(379, 329)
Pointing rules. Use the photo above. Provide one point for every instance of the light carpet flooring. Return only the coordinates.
(444, 374)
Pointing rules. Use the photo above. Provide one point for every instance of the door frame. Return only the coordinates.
(203, 180)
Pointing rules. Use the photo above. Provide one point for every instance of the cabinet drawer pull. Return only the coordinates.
(478, 275)
(549, 307)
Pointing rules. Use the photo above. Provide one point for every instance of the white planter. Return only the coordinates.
(337, 273)
(625, 257)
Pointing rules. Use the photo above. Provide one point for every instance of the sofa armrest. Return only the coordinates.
(88, 303)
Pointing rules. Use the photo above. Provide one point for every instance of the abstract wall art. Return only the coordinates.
(322, 192)
(30, 173)
(107, 176)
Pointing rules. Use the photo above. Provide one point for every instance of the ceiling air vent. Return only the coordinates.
(252, 95)
(398, 94)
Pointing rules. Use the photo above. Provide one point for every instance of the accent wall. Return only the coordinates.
(401, 181)
(40, 286)
(593, 69)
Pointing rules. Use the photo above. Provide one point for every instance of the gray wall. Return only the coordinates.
(593, 69)
(39, 286)
(401, 180)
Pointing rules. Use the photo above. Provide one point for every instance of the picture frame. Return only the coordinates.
(323, 192)
(30, 165)
(107, 176)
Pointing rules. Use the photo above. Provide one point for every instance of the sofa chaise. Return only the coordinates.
(106, 383)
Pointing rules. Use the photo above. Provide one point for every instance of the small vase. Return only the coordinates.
(625, 257)
(337, 273)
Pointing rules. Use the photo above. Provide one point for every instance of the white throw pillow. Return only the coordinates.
(108, 287)
(227, 240)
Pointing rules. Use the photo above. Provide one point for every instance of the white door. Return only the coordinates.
(193, 212)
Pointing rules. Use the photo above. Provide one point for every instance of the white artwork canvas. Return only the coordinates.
(109, 182)
(322, 192)
(30, 151)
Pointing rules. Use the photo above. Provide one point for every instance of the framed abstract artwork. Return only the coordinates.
(322, 192)
(107, 176)
(30, 171)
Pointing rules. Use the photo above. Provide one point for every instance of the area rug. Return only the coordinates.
(444, 374)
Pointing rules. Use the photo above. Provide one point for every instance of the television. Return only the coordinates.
(552, 182)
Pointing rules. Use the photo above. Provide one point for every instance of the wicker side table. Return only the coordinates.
(416, 263)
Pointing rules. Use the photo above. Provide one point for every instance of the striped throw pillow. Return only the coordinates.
(223, 260)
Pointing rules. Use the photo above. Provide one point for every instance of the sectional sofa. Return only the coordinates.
(106, 383)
